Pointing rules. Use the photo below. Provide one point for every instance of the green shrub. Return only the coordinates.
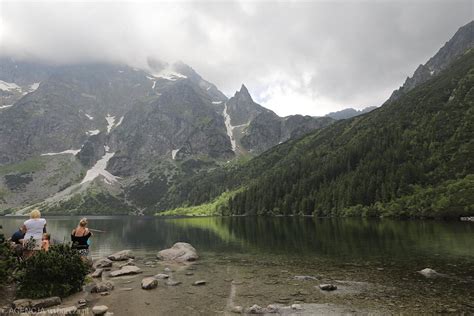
(7, 261)
(57, 272)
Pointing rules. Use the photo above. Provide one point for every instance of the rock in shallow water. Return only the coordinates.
(172, 283)
(121, 255)
(305, 278)
(237, 309)
(199, 282)
(149, 283)
(180, 252)
(429, 273)
(256, 309)
(126, 271)
(327, 287)
(161, 276)
(99, 309)
(103, 263)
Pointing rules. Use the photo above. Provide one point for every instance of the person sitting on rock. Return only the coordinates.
(18, 236)
(45, 243)
(34, 227)
(80, 238)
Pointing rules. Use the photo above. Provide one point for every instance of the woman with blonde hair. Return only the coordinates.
(80, 238)
(34, 229)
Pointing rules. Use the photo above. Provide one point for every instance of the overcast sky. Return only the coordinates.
(307, 57)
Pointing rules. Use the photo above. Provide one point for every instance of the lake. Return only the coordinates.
(375, 261)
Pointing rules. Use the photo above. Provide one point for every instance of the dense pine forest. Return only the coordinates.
(411, 157)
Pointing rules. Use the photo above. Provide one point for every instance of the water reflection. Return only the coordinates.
(341, 239)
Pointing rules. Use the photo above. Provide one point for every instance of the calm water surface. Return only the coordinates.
(334, 239)
(376, 261)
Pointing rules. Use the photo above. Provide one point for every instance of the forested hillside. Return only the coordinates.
(413, 157)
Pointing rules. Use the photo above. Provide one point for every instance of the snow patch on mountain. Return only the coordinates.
(119, 122)
(173, 153)
(216, 102)
(229, 128)
(89, 117)
(9, 86)
(170, 75)
(99, 169)
(5, 106)
(110, 122)
(34, 86)
(93, 132)
(69, 151)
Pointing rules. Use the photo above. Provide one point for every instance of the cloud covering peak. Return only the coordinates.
(294, 56)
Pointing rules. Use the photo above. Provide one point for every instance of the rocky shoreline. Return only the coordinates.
(176, 281)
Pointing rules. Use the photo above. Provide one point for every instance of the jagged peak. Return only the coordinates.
(243, 93)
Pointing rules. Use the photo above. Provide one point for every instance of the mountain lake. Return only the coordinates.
(374, 263)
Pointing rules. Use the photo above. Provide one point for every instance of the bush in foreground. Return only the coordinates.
(7, 261)
(57, 272)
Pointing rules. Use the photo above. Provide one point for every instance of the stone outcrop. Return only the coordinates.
(180, 252)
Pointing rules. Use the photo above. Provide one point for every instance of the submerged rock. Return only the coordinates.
(296, 307)
(172, 283)
(305, 278)
(327, 287)
(271, 309)
(199, 282)
(180, 252)
(126, 271)
(256, 309)
(429, 273)
(99, 309)
(237, 309)
(161, 276)
(121, 255)
(149, 283)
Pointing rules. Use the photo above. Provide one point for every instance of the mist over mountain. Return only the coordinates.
(349, 112)
(111, 129)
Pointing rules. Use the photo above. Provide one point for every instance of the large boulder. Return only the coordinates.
(126, 271)
(121, 255)
(180, 252)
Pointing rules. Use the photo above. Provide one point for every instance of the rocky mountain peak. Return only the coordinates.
(243, 94)
(462, 41)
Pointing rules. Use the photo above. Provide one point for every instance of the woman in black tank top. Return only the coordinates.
(80, 236)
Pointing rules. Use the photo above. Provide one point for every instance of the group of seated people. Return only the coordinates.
(18, 239)
(32, 237)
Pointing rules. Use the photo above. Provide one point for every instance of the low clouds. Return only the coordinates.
(294, 56)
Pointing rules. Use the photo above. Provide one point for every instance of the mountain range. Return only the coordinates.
(105, 130)
(113, 139)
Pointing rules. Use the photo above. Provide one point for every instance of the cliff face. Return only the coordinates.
(459, 44)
